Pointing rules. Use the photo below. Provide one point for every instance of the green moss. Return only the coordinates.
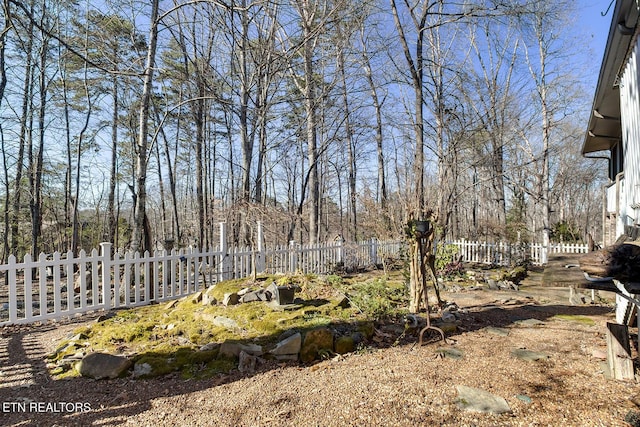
(168, 339)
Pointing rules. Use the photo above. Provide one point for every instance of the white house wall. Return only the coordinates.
(629, 208)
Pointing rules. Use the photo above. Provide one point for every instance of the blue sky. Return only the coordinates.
(592, 30)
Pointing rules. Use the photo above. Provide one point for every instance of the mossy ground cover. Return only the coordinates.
(169, 336)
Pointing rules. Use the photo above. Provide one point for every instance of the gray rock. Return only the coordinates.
(171, 304)
(316, 343)
(247, 362)
(225, 322)
(197, 297)
(232, 349)
(208, 298)
(290, 345)
(259, 295)
(141, 369)
(529, 355)
(450, 353)
(102, 365)
(210, 346)
(525, 399)
(503, 332)
(448, 317)
(530, 322)
(478, 400)
(230, 299)
(493, 285)
(287, 357)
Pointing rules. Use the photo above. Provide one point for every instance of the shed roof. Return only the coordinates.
(604, 123)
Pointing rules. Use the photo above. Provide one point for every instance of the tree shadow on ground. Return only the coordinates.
(111, 402)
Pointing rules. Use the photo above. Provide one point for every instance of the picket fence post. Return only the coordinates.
(260, 262)
(224, 256)
(105, 260)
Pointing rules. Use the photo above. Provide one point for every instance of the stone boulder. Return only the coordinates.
(478, 400)
(345, 344)
(208, 298)
(231, 298)
(103, 365)
(288, 348)
(247, 362)
(316, 342)
(232, 349)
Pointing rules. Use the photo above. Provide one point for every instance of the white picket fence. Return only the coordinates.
(63, 285)
(503, 253)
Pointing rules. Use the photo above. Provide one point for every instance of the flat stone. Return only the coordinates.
(247, 362)
(210, 346)
(225, 322)
(525, 399)
(450, 353)
(230, 299)
(448, 317)
(103, 365)
(503, 332)
(233, 349)
(171, 304)
(529, 355)
(197, 297)
(315, 342)
(344, 345)
(478, 400)
(530, 322)
(141, 369)
(289, 345)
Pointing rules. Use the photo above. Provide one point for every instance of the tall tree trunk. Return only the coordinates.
(112, 223)
(350, 148)
(381, 193)
(25, 135)
(141, 240)
(310, 111)
(3, 84)
(37, 163)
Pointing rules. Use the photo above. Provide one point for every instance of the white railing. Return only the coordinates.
(503, 253)
(63, 285)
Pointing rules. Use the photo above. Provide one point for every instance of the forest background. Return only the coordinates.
(147, 123)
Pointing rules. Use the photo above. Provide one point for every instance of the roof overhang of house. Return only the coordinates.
(604, 129)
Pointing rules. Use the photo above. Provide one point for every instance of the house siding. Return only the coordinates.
(629, 205)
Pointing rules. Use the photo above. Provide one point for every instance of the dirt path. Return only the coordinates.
(388, 384)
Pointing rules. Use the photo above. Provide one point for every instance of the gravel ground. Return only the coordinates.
(388, 384)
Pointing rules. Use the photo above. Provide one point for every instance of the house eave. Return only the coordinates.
(604, 129)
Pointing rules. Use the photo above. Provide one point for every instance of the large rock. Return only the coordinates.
(478, 400)
(247, 362)
(316, 342)
(231, 299)
(231, 349)
(103, 365)
(208, 298)
(225, 322)
(345, 344)
(288, 347)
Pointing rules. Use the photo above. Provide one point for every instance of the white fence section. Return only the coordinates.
(62, 285)
(503, 253)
